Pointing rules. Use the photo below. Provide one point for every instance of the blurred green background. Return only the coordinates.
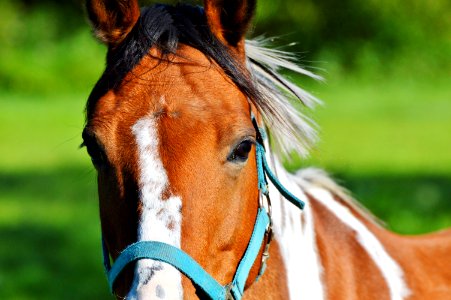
(385, 125)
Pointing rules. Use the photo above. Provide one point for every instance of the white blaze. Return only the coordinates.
(160, 218)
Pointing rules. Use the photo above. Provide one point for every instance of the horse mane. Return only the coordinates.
(265, 65)
(291, 130)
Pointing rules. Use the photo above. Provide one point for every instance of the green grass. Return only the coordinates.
(395, 127)
(390, 146)
(50, 235)
(40, 132)
(49, 225)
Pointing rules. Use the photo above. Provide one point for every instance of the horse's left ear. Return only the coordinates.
(229, 19)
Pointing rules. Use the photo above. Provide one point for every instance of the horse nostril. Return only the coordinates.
(159, 291)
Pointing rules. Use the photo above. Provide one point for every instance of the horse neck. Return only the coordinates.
(334, 249)
(330, 236)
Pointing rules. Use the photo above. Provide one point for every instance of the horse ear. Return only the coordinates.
(229, 19)
(112, 20)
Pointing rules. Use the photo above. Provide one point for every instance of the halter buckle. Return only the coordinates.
(268, 202)
(265, 255)
(228, 292)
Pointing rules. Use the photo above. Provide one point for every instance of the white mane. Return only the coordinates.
(292, 130)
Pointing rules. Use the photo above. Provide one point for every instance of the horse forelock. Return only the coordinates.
(166, 28)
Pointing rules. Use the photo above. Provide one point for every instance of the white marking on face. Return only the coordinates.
(391, 271)
(160, 218)
(297, 240)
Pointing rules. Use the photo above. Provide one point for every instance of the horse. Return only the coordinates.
(186, 128)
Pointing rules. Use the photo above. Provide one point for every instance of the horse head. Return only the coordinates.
(170, 132)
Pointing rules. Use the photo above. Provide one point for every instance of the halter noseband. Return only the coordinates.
(188, 266)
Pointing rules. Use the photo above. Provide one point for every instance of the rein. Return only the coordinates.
(188, 266)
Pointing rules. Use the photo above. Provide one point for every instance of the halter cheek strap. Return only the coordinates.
(188, 266)
(264, 170)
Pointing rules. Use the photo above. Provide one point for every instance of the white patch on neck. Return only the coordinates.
(160, 219)
(297, 241)
(391, 271)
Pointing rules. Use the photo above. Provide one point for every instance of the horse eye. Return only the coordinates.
(94, 150)
(97, 156)
(241, 152)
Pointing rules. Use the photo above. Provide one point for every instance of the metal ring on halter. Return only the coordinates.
(269, 232)
(268, 209)
(268, 202)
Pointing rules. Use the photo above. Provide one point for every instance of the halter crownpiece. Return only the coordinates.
(188, 266)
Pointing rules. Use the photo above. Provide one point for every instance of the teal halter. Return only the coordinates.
(188, 266)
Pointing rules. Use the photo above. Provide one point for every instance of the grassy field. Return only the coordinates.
(49, 226)
(389, 145)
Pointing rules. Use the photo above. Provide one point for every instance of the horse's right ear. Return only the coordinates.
(229, 19)
(112, 20)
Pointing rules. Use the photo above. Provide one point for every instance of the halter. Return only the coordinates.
(188, 266)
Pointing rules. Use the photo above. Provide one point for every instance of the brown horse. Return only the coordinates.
(169, 129)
